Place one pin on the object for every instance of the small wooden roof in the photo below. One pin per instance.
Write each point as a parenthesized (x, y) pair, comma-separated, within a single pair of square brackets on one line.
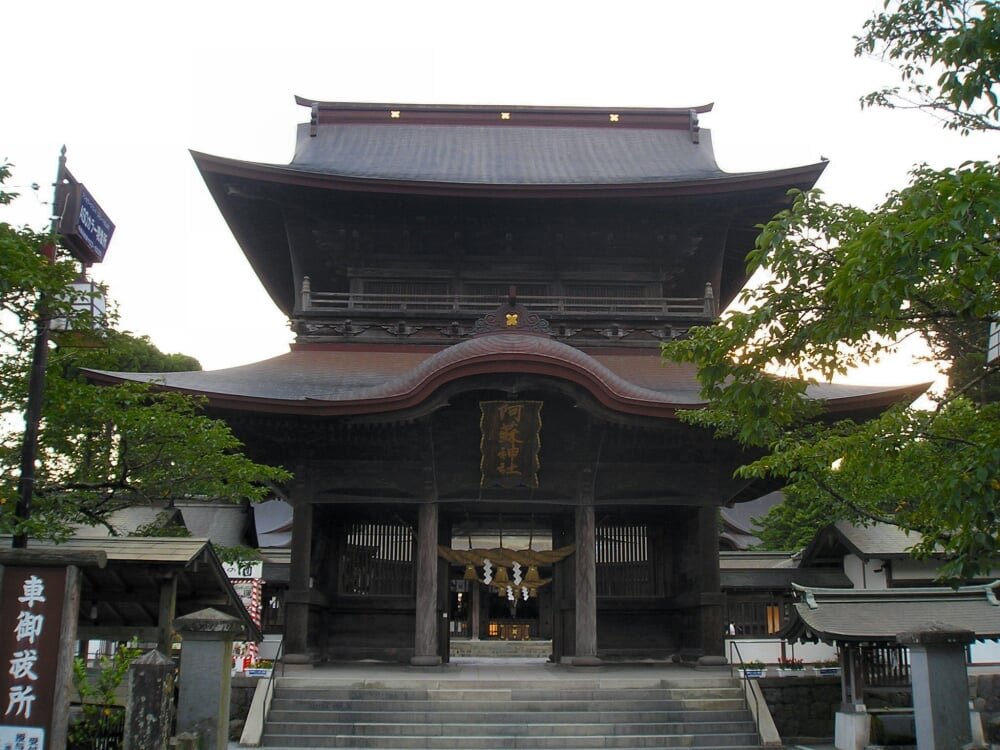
[(122, 599), (872, 616)]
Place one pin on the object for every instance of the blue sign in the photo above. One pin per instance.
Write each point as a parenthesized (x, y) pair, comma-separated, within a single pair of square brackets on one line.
[(83, 224), (93, 225)]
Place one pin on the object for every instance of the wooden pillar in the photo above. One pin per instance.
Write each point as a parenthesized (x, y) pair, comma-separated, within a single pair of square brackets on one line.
[(298, 598), (586, 588), (474, 614), (166, 614), (443, 589), (425, 644), (711, 599), (852, 723), (563, 594)]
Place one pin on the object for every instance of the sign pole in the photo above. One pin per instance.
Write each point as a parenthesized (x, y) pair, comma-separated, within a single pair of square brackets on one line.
[(86, 231), (36, 389)]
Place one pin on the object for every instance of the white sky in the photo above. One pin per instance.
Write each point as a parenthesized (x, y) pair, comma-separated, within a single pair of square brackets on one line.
[(130, 87)]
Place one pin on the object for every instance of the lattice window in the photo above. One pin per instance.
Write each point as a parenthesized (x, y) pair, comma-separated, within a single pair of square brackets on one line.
[(624, 568), (500, 290), (608, 291), (377, 560), (886, 665), (406, 288), (757, 616)]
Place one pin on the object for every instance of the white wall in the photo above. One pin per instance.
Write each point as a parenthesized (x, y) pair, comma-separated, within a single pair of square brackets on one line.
[(768, 650), (870, 574), (987, 652)]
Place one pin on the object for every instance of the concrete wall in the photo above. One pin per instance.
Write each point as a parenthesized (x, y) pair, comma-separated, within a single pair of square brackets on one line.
[(984, 689), (803, 708), (240, 697)]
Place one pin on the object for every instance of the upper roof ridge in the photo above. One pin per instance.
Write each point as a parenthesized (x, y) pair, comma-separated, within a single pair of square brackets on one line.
[(667, 118)]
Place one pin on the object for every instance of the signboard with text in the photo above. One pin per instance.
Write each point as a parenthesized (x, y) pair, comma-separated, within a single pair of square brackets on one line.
[(84, 226), (31, 602)]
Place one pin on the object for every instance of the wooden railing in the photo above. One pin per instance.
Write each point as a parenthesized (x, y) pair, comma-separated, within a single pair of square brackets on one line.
[(885, 666), (340, 302)]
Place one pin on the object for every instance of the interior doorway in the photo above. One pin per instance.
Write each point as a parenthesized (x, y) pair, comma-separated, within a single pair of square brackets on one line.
[(499, 586)]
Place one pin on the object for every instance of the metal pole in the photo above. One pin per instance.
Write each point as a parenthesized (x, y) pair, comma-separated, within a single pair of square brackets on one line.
[(36, 389)]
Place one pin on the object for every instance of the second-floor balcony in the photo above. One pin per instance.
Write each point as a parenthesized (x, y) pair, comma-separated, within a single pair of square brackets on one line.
[(321, 304)]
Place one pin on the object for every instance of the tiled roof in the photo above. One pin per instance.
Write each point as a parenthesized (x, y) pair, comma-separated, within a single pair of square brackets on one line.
[(774, 571), (128, 588), (780, 579), (878, 540), (845, 615), (355, 379), (224, 523), (124, 522), (515, 148), (506, 155)]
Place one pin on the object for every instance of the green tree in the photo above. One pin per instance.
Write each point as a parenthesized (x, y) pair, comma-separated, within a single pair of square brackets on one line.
[(948, 56), (845, 286), (100, 448)]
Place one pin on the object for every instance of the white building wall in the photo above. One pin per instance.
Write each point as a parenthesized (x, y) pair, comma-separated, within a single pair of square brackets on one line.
[(769, 650), (866, 574)]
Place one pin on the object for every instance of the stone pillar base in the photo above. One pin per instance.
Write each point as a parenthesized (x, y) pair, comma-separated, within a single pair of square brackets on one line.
[(852, 730), (298, 659), (712, 661), (586, 661), (426, 661)]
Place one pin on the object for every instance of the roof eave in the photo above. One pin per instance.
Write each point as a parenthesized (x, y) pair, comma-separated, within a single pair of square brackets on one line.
[(735, 184)]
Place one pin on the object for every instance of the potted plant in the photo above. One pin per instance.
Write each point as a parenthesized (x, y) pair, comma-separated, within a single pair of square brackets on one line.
[(753, 668), (260, 668), (790, 664), (827, 666)]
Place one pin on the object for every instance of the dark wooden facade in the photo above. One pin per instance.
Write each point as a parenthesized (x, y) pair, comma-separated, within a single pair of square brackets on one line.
[(431, 259)]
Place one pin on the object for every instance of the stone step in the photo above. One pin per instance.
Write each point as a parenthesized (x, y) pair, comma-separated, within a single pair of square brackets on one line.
[(552, 714), (501, 742), (510, 707), (494, 694), (506, 729), (318, 681), (536, 717)]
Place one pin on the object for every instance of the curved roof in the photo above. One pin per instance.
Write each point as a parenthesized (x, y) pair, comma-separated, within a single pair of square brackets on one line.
[(354, 379), (866, 615), (499, 149)]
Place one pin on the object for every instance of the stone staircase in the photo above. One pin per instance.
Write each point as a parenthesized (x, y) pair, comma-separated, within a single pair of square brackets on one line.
[(482, 714)]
